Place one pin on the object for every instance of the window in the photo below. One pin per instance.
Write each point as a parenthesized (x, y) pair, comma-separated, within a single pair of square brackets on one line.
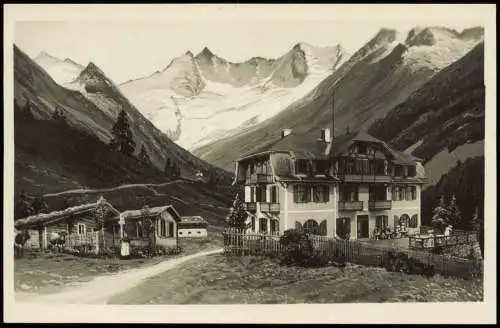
[(260, 194), (322, 228), (399, 193), (404, 220), (321, 194), (163, 228), (189, 232), (403, 192), (170, 229), (199, 232), (311, 226), (81, 229), (180, 232), (139, 229), (398, 171), (412, 171), (343, 227), (362, 149), (412, 192), (252, 194), (301, 166), (253, 223), (348, 193), (381, 221), (377, 193), (262, 225), (274, 194), (301, 194), (321, 167), (274, 226), (414, 221)]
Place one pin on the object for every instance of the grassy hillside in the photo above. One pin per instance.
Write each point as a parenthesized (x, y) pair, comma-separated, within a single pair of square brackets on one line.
[(217, 279), (52, 158)]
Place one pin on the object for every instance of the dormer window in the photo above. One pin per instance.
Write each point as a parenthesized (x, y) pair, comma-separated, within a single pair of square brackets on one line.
[(321, 167), (301, 166), (362, 149), (398, 171)]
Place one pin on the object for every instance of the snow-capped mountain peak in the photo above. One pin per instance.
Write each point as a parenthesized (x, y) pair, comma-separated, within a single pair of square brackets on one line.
[(62, 71), (197, 99)]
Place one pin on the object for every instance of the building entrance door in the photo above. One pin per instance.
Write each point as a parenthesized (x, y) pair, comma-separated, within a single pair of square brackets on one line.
[(363, 226)]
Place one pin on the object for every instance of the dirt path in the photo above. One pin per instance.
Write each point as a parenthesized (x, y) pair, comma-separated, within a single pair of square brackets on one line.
[(99, 290), (125, 186)]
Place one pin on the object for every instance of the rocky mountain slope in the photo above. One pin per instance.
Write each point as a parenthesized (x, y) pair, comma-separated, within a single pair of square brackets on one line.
[(377, 78), (93, 106), (201, 98), (443, 121)]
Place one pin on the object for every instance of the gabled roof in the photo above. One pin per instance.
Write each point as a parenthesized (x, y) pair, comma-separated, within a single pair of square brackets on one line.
[(193, 220), (308, 147), (55, 216), (302, 146), (139, 213)]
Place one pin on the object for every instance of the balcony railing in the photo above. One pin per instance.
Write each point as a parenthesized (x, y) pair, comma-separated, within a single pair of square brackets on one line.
[(350, 205), (270, 207), (259, 178), (274, 207), (379, 204), (251, 207)]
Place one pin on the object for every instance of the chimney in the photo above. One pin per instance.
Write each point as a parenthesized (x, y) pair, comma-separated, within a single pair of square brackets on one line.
[(285, 132), (325, 135), (333, 115)]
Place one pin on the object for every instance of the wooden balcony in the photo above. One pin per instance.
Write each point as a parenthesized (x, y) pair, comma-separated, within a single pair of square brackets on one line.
[(251, 207), (379, 205), (350, 205), (270, 207), (259, 178)]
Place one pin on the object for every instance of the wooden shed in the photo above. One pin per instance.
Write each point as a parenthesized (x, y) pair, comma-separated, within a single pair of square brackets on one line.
[(136, 225), (87, 224)]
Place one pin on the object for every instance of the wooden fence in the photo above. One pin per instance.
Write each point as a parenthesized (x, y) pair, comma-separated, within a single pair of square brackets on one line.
[(238, 242)]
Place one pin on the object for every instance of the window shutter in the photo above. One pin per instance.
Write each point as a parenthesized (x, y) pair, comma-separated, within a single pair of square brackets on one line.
[(326, 191)]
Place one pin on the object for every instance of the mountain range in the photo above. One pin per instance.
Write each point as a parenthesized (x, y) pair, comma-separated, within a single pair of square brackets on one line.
[(198, 99), (421, 91), (378, 79)]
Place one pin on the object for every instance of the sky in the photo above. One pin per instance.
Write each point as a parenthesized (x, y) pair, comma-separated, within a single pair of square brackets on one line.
[(126, 48)]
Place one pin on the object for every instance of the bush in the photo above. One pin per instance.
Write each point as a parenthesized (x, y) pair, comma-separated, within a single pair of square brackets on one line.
[(400, 262), (298, 250), (297, 247)]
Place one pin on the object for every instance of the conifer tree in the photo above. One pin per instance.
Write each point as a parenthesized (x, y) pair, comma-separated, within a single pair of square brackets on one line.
[(237, 215), (39, 205), (168, 168), (441, 216), (23, 207), (477, 224), (454, 212), (58, 115), (122, 135), (143, 155)]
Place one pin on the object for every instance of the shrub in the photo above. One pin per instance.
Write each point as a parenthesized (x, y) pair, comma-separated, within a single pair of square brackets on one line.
[(400, 262), (298, 250)]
